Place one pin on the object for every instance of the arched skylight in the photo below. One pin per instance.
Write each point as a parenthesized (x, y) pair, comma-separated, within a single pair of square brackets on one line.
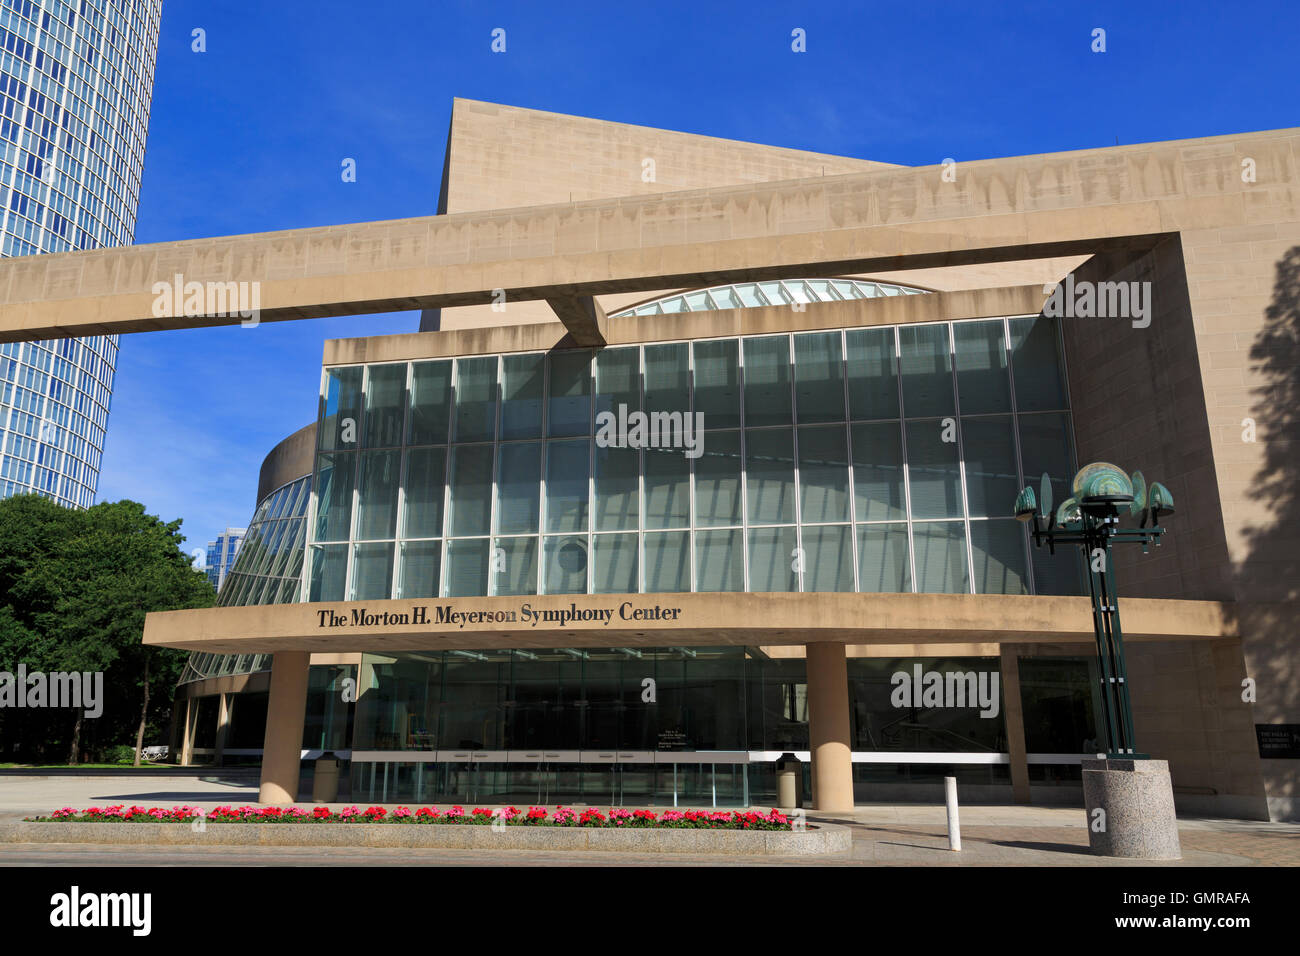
[(745, 295)]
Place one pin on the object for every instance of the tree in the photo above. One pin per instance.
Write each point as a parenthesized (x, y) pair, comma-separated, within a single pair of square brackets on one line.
[(74, 589)]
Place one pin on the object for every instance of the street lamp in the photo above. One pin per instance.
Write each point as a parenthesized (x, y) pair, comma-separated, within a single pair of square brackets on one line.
[(1090, 518)]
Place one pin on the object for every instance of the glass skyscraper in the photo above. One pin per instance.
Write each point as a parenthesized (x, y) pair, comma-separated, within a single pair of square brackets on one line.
[(222, 553), (76, 79)]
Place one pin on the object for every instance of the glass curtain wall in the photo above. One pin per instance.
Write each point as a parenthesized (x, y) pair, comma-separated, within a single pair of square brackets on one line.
[(569, 723), (874, 459), (268, 568)]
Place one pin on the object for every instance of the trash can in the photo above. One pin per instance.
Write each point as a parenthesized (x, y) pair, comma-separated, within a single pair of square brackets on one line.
[(789, 782), (325, 779)]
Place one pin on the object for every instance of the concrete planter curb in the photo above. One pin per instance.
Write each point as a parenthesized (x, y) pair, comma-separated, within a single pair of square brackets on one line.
[(821, 839)]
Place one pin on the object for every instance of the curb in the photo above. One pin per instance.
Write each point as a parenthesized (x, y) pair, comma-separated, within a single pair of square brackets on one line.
[(816, 840), (40, 772)]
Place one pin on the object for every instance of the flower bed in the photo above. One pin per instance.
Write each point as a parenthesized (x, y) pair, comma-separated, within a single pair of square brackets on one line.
[(478, 816)]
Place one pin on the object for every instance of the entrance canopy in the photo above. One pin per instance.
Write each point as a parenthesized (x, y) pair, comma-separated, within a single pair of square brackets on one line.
[(659, 620)]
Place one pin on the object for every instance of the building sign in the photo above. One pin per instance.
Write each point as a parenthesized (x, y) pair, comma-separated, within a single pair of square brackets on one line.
[(526, 615), (1278, 740)]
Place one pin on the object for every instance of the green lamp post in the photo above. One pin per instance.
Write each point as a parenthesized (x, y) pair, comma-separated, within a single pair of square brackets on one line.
[(1090, 517)]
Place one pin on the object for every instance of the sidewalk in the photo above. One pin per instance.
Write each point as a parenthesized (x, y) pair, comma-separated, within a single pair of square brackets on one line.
[(883, 834)]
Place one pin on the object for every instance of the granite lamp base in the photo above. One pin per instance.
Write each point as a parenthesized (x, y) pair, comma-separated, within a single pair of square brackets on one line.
[(1136, 798)]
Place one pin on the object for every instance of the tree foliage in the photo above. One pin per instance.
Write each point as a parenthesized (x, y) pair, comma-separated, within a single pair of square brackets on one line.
[(74, 589)]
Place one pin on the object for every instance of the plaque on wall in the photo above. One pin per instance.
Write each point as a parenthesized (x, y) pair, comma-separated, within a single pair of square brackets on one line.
[(1278, 741), (672, 740)]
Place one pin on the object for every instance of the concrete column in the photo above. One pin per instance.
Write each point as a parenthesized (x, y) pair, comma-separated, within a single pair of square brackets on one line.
[(1013, 714), (286, 711), (187, 735), (224, 702), (828, 727)]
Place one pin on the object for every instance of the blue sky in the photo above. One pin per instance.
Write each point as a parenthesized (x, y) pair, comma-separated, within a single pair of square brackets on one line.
[(249, 136)]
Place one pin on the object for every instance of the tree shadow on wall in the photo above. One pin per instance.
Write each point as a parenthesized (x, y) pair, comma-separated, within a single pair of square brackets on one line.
[(1268, 577), (1275, 360)]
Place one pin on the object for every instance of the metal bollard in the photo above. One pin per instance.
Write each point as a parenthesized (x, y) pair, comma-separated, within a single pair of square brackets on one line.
[(954, 825)]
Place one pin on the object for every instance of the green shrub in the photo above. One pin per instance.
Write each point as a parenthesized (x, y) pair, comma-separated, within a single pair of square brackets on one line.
[(119, 754)]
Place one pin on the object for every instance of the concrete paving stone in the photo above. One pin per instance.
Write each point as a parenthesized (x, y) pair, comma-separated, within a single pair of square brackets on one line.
[(881, 834)]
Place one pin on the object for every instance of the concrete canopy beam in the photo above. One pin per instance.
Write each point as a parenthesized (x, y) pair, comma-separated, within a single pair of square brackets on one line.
[(657, 620), (1055, 205), (582, 316)]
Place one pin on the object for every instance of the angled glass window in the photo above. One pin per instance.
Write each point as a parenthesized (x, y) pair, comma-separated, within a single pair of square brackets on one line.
[(983, 384), (775, 293), (566, 564), (377, 494), (667, 562), (767, 381), (773, 559), (927, 370), (1036, 364), (667, 378), (476, 399), (883, 563), (1061, 573), (998, 557), (340, 409), (717, 382), (717, 480), (567, 469), (873, 373), (719, 561), (769, 473), (471, 490), (618, 381), (522, 388), (372, 572), (878, 472), (295, 505), (934, 471), (989, 446), (419, 573), (819, 377), (425, 476), (569, 405), (940, 557), (617, 488), (1045, 446), (754, 294), (329, 566), (276, 508), (823, 474), (614, 568), (519, 477), (515, 566), (385, 405), (667, 483), (828, 558), (430, 403), (468, 560), (335, 479)]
